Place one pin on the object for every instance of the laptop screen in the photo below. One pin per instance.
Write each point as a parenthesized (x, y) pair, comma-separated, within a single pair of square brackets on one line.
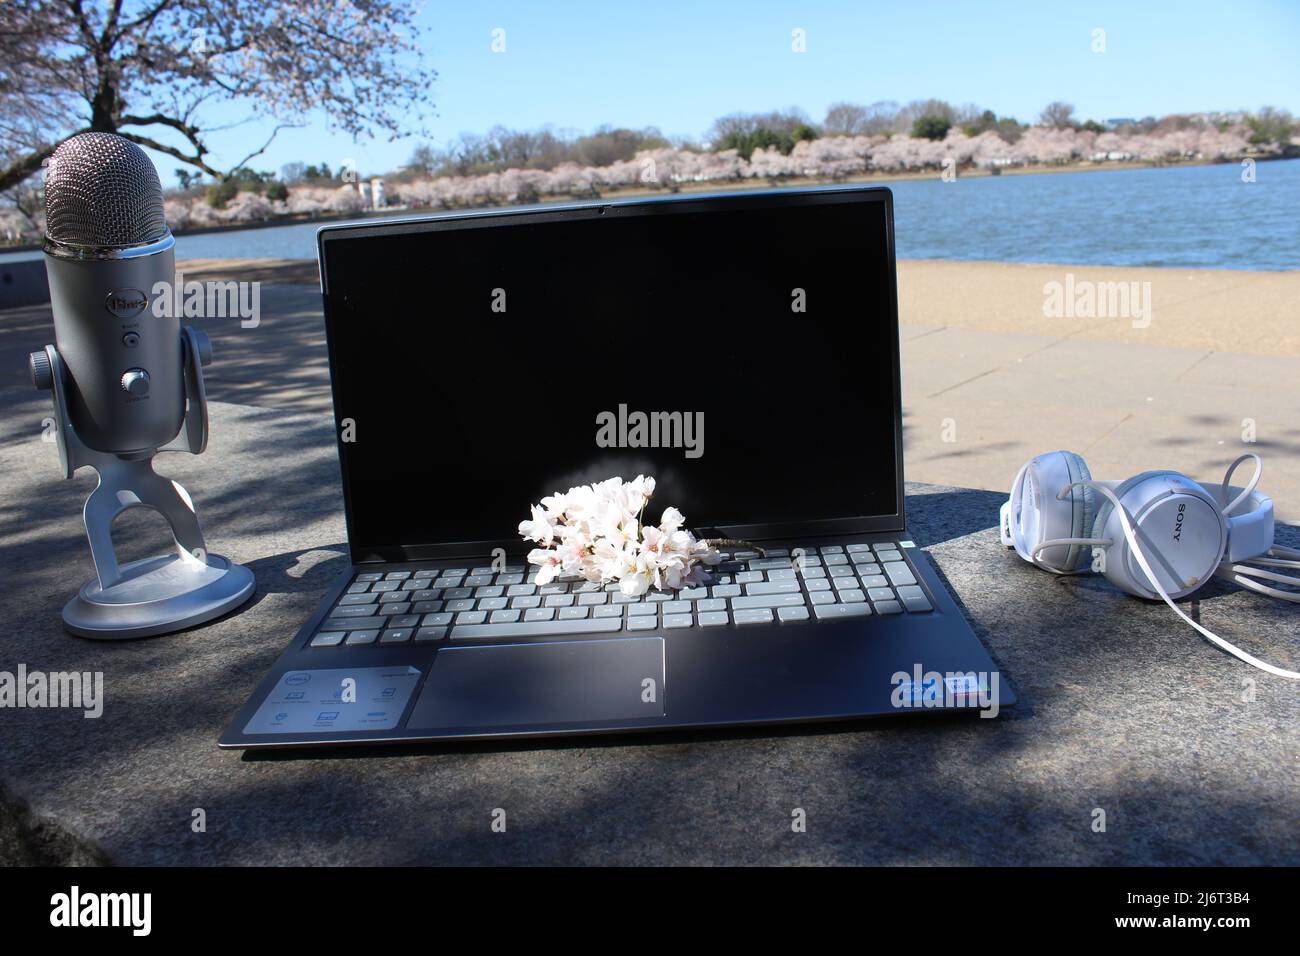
[(741, 349)]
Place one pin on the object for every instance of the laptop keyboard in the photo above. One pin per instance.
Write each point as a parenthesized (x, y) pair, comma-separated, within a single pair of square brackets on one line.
[(434, 604)]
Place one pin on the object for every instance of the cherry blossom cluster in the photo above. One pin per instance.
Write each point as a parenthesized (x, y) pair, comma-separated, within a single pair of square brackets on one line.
[(595, 532)]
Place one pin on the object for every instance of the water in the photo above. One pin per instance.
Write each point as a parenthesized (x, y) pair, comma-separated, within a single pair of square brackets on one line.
[(1188, 216)]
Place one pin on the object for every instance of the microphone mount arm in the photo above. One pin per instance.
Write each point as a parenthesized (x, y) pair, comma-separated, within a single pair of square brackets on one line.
[(130, 481)]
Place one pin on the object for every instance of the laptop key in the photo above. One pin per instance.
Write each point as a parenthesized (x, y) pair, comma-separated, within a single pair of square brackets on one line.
[(592, 625), (328, 639), (426, 634), (508, 616), (539, 614), (396, 635), (772, 587), (471, 617), (789, 614), (899, 573), (346, 623), (676, 607), (491, 603), (437, 620), (852, 596), (880, 594), (830, 612), (592, 598), (641, 610), (914, 599), (361, 610), (822, 597), (753, 616), (404, 620), (711, 604), (370, 576), (677, 620), (574, 613), (607, 610), (368, 598), (888, 607), (362, 637), (526, 601), (767, 600), (642, 623), (725, 591), (713, 619)]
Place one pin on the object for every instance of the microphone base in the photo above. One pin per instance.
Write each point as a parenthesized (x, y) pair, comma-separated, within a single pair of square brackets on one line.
[(159, 595)]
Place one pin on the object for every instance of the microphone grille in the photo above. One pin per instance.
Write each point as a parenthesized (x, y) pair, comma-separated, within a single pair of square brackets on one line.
[(102, 190)]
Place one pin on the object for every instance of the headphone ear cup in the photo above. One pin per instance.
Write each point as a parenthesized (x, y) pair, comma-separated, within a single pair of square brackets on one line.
[(1084, 502), (1118, 570)]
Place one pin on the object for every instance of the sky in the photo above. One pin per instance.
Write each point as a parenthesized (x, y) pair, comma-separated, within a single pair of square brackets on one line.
[(680, 65)]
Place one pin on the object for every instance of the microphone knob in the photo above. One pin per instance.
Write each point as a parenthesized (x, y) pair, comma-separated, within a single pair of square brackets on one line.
[(135, 382), (42, 374)]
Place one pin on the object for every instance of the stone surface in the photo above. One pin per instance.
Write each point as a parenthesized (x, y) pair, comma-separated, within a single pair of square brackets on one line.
[(1123, 708)]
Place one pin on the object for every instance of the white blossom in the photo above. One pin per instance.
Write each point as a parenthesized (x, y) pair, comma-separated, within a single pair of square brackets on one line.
[(596, 532)]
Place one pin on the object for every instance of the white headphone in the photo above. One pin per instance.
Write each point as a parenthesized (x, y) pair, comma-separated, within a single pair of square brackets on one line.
[(1156, 535)]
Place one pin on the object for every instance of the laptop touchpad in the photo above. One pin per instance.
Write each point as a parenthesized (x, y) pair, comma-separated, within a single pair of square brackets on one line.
[(559, 682)]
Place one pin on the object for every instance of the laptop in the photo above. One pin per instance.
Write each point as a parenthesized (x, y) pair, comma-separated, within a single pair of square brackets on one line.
[(743, 350)]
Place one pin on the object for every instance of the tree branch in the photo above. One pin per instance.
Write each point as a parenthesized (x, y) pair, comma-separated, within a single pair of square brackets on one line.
[(195, 160), (20, 169)]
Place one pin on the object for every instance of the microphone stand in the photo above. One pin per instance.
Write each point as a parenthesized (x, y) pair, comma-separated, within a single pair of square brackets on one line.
[(157, 595)]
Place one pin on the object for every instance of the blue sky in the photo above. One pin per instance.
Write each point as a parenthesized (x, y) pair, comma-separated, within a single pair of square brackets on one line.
[(678, 65)]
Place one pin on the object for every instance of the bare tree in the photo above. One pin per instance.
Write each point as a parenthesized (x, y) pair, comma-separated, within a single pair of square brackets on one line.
[(1057, 115), (144, 68), (845, 119)]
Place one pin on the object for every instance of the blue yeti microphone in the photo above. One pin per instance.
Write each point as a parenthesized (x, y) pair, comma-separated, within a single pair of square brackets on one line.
[(126, 381)]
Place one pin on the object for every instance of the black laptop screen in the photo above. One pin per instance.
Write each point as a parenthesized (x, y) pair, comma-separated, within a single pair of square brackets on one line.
[(483, 364)]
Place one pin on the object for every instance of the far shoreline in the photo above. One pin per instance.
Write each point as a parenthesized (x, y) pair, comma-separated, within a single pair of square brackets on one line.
[(711, 186)]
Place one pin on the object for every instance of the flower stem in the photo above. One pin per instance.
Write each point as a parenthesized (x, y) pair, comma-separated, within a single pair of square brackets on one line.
[(733, 543)]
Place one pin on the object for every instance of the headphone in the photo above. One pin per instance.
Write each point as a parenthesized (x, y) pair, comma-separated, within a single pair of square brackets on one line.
[(1157, 535)]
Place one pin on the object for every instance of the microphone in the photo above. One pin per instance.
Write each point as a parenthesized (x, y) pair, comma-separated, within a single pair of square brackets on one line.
[(107, 246), (127, 382)]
